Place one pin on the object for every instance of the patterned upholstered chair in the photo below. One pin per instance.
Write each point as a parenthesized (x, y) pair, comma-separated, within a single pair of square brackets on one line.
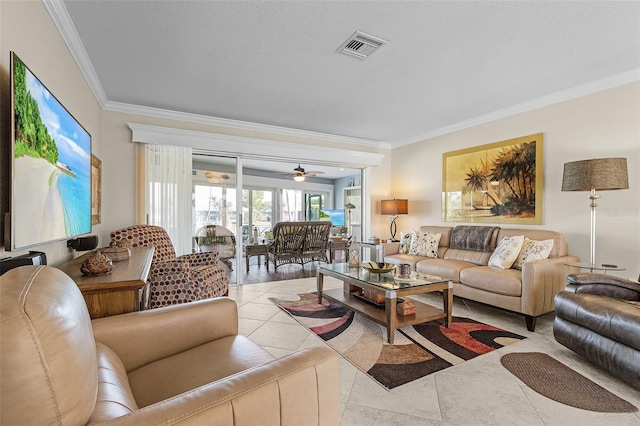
[(175, 279)]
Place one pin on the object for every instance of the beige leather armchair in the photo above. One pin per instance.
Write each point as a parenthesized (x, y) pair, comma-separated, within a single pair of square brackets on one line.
[(180, 364)]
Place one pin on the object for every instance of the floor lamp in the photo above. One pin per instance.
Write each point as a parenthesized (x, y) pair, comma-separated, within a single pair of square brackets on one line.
[(601, 174), (393, 208), (348, 207)]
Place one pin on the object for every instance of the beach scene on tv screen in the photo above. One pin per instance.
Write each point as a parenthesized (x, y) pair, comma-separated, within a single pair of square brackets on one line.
[(52, 166)]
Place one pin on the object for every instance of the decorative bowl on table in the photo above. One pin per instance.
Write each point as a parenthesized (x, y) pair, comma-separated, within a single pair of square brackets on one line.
[(378, 267), (116, 253), (96, 264)]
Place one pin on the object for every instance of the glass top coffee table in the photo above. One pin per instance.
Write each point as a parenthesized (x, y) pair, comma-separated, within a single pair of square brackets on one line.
[(392, 289)]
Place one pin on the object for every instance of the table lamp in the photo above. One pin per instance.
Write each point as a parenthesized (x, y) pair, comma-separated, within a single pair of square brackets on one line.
[(394, 208), (601, 174)]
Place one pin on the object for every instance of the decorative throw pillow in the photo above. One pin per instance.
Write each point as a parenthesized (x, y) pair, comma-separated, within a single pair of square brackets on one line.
[(533, 250), (507, 252), (405, 242), (425, 244)]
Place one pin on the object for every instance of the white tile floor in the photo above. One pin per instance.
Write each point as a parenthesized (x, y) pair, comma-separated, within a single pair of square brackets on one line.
[(476, 392)]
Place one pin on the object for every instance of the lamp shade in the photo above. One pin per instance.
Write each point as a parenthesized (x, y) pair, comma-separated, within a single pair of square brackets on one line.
[(599, 174), (394, 207)]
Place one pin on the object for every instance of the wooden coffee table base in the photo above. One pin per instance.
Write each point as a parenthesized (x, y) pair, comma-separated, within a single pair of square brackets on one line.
[(388, 316)]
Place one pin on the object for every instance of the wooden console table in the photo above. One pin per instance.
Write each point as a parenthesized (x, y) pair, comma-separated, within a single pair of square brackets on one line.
[(124, 290)]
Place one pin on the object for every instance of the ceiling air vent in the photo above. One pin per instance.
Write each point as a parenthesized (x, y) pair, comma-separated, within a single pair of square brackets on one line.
[(361, 45)]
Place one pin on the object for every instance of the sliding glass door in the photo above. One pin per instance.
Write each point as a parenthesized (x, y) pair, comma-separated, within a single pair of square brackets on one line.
[(314, 204), (257, 214), (214, 212), (244, 198)]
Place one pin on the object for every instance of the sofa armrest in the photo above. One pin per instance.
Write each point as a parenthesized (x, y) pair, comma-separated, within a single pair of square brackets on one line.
[(301, 388), (389, 249), (604, 285), (146, 336), (541, 281)]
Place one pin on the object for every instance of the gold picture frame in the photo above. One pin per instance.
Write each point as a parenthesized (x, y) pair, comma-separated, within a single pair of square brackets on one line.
[(96, 189), (500, 182)]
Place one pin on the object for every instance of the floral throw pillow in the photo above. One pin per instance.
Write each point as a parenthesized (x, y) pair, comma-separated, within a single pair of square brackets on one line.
[(533, 250), (425, 244), (405, 242), (507, 252)]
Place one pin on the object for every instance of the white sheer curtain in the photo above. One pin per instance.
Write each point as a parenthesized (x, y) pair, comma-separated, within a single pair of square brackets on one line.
[(167, 192)]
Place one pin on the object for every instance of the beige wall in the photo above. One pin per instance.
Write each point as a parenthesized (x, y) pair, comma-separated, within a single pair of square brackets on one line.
[(603, 124), (599, 125), (27, 29)]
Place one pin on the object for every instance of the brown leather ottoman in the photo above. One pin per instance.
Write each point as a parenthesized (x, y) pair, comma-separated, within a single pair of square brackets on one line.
[(601, 328)]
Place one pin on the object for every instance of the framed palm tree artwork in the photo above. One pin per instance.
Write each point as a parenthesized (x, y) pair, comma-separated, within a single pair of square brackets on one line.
[(500, 182)]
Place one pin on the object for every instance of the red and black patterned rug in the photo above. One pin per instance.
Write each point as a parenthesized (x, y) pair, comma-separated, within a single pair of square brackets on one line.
[(418, 350)]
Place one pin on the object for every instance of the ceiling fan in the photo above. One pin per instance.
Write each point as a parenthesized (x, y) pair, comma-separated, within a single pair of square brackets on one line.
[(216, 177), (299, 174)]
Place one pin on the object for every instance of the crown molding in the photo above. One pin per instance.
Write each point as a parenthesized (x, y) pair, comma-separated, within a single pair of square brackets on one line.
[(554, 98), (244, 147), (62, 21), (237, 124)]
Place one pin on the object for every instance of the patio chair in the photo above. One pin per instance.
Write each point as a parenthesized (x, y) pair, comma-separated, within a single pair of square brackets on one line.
[(316, 242), (216, 238), (286, 247)]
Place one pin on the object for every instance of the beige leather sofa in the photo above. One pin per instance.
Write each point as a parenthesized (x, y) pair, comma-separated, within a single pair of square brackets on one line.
[(180, 364), (529, 292)]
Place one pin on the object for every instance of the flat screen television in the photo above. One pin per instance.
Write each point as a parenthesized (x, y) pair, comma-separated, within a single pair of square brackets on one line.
[(51, 165), (336, 216)]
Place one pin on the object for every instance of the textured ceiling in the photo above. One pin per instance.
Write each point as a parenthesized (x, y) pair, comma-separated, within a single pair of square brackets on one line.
[(274, 62)]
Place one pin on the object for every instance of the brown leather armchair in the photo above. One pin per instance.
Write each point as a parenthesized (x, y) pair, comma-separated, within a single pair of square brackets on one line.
[(176, 279), (181, 364), (598, 317)]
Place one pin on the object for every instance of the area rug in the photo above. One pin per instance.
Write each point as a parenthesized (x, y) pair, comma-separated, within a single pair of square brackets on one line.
[(554, 380), (417, 351)]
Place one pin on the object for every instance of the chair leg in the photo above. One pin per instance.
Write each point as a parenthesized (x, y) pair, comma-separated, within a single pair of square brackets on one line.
[(531, 322)]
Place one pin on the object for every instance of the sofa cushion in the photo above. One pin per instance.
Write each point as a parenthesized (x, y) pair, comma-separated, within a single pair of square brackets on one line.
[(449, 269), (501, 281), (507, 252), (533, 250), (424, 244), (469, 256), (188, 370)]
